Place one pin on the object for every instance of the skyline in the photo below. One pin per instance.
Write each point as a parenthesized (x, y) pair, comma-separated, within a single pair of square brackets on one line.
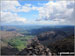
[(42, 12)]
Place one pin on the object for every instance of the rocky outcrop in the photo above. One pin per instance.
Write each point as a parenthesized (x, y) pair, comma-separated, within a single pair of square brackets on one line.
[(35, 48)]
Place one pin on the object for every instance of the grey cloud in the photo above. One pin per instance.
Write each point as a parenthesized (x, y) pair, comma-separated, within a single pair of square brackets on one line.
[(66, 13)]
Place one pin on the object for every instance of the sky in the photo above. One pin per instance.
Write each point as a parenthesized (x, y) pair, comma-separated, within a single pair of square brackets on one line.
[(18, 12)]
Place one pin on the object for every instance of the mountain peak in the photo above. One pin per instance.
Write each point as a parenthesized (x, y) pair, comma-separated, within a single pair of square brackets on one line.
[(35, 48)]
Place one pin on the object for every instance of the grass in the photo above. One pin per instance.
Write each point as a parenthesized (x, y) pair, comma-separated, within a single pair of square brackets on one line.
[(19, 42)]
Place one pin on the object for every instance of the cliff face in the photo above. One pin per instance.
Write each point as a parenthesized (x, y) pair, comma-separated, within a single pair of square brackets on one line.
[(35, 48)]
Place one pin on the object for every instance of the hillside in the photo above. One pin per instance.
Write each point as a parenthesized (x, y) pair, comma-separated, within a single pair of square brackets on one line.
[(51, 36), (57, 42), (6, 36), (9, 34), (55, 39), (42, 45), (63, 45)]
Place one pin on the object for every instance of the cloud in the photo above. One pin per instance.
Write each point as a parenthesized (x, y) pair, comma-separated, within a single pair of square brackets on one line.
[(9, 5), (9, 14), (14, 6), (61, 11), (10, 18), (25, 8), (43, 22)]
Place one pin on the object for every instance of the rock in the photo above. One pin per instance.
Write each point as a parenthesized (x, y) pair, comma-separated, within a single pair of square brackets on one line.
[(35, 48)]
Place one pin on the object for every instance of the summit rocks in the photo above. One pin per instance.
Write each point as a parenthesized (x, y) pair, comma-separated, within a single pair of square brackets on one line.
[(35, 48)]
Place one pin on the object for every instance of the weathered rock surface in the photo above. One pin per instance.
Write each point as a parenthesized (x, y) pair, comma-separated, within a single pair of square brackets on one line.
[(35, 48)]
